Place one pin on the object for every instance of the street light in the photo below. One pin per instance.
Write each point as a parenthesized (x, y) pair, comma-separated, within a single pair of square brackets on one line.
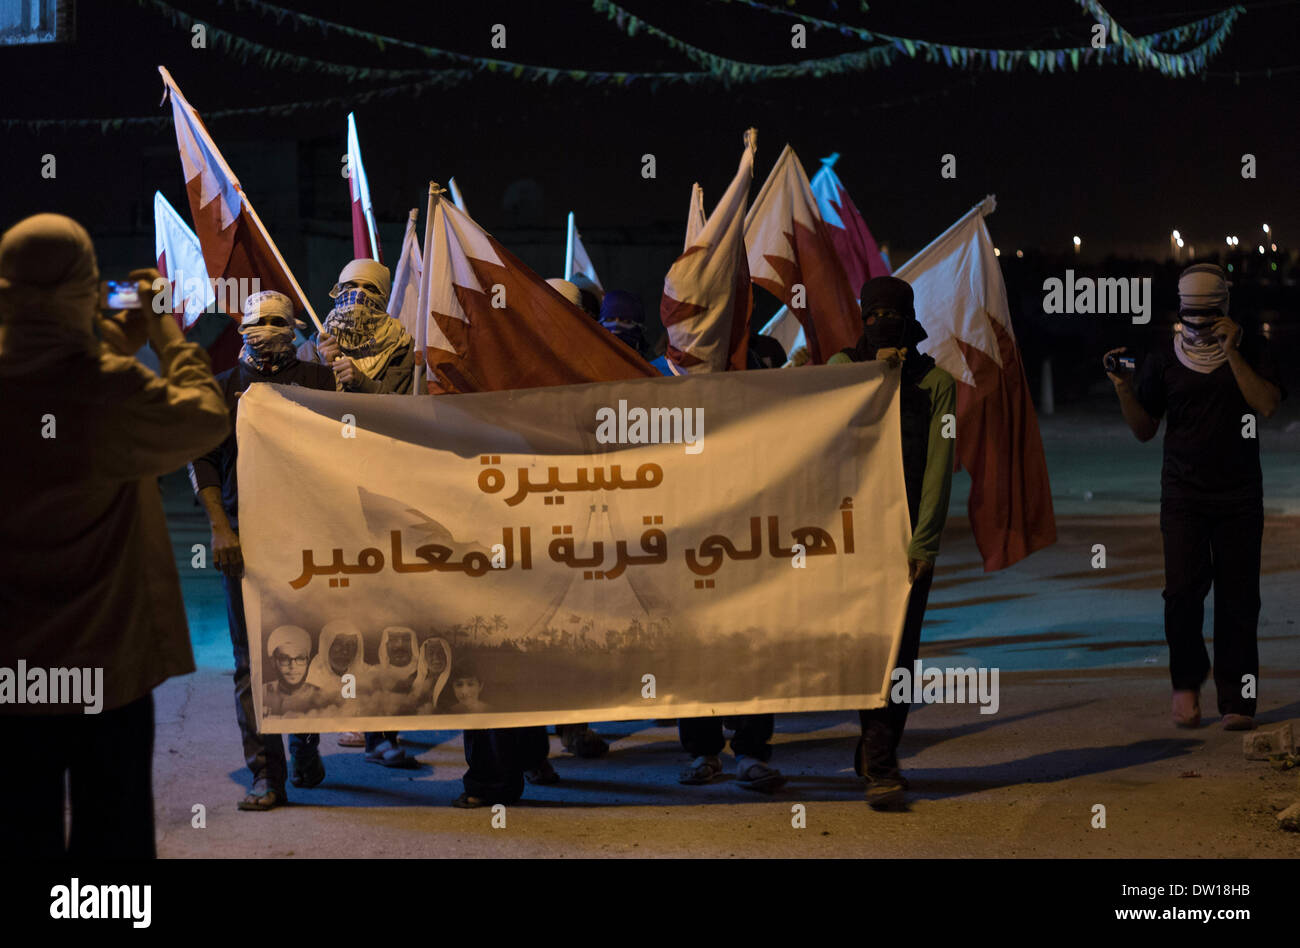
[(1266, 228), (1077, 243)]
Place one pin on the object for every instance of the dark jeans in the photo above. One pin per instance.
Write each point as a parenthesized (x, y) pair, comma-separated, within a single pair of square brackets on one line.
[(497, 759), (882, 728), (108, 759), (1217, 544), (264, 753), (703, 737)]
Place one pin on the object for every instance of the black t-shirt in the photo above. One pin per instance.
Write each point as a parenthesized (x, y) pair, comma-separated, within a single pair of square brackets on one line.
[(1205, 452)]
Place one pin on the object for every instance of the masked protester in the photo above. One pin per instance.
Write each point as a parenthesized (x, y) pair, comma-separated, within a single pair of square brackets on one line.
[(267, 356), (890, 333), (1211, 489), (623, 315), (368, 350), (89, 580)]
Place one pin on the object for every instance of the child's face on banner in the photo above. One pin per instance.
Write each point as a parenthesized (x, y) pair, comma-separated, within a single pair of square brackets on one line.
[(467, 690)]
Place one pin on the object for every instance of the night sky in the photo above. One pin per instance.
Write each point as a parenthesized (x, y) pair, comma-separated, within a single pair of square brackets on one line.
[(1116, 155)]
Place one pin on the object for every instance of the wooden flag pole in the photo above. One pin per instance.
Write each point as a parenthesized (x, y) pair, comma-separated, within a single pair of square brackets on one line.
[(426, 275)]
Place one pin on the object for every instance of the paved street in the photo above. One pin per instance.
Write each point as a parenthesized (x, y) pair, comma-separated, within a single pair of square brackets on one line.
[(1084, 720)]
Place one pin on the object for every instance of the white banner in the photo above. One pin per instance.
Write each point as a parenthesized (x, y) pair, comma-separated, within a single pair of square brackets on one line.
[(704, 545)]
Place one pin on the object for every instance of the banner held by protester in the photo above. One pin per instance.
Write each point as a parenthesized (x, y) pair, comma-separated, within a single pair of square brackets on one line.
[(573, 553)]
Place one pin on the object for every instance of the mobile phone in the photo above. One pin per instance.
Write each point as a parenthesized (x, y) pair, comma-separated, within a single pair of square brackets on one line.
[(119, 294)]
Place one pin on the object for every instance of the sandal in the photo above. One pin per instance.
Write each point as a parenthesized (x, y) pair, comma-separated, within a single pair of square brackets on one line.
[(261, 798), (386, 755), (753, 774), (466, 802), (700, 771)]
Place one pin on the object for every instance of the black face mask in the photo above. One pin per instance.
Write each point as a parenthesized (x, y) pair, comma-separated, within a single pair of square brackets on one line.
[(883, 332)]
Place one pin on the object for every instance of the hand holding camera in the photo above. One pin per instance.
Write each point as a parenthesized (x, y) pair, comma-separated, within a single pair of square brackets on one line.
[(1120, 368)]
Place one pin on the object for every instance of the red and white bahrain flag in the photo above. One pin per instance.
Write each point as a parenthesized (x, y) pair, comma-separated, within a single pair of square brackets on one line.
[(236, 247), (404, 300), (493, 324), (365, 235), (707, 295), (180, 260), (962, 303), (792, 255), (856, 247)]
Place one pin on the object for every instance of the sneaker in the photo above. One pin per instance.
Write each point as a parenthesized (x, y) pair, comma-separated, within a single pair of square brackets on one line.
[(884, 793), (262, 796), (542, 775), (1238, 722), (386, 755), (307, 770), (754, 774), (583, 741), (1187, 708), (701, 770), (352, 739)]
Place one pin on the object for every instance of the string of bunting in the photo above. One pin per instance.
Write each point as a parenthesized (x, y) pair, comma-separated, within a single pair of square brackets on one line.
[(1146, 51), (1150, 50), (1211, 32), (1173, 37)]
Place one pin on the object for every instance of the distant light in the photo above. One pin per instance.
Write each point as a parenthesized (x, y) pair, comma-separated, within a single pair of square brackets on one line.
[(1273, 247), (1273, 264), (1020, 253), (1228, 241), (1229, 268), (997, 252), (1180, 243), (1261, 248), (1077, 241), (1266, 228), (1176, 235)]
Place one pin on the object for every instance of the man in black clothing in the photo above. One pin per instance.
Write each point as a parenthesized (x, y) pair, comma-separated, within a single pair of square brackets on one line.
[(1212, 385), (926, 394), (267, 356)]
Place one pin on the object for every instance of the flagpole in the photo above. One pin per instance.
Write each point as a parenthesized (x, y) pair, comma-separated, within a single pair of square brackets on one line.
[(358, 175), (406, 238), (257, 221), (568, 251), (426, 274)]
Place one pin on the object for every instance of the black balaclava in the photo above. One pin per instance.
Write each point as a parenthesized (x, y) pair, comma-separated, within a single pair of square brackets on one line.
[(622, 314), (891, 293)]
